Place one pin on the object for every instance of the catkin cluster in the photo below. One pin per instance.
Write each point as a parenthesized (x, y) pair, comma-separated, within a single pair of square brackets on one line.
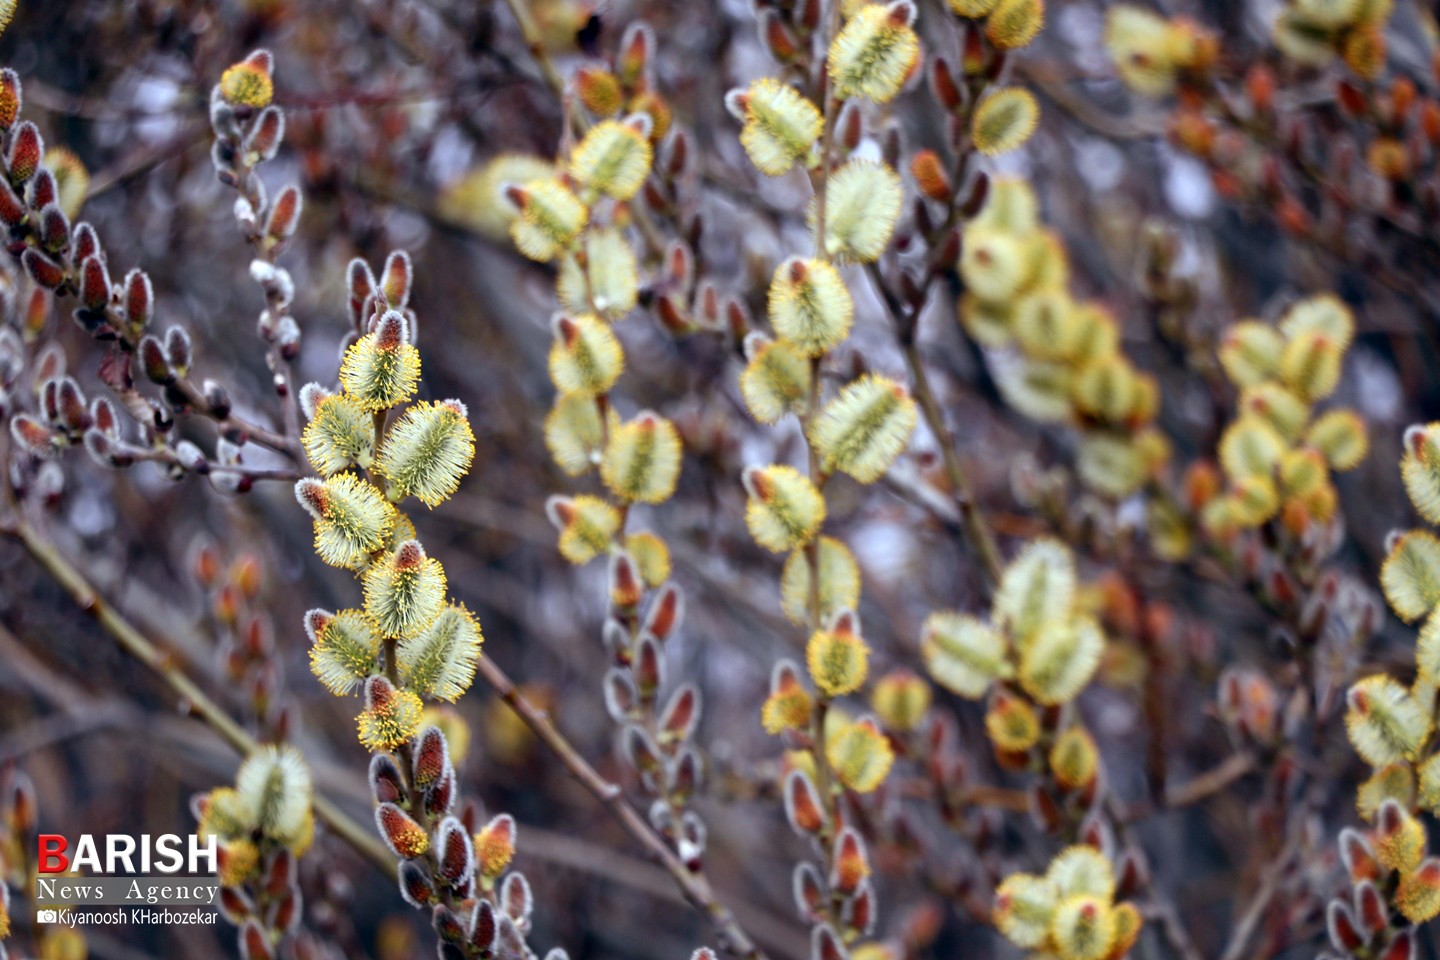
[(263, 825), (1056, 359), (1070, 911), (1034, 655), (1278, 455), (407, 641), (1396, 883)]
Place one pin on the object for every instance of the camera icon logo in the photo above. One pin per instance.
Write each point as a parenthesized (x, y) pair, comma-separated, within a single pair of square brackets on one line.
[(47, 916)]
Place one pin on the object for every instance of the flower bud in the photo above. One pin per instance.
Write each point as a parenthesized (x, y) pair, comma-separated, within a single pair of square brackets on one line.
[(1410, 575), (587, 525), (789, 705), (860, 755), (1310, 365), (585, 357), (44, 271), (1341, 436), (495, 846), (382, 369), (1003, 120), (780, 125), (391, 717), (901, 700), (776, 380), (340, 434), (284, 214), (785, 510), (849, 863), (651, 556), (10, 98), (1024, 906), (345, 649), (1250, 352), (1399, 838), (1083, 928), (404, 591), (574, 432), (1418, 897), (1014, 23), (802, 804), (386, 783), (604, 276), (599, 90), (1250, 447), (864, 428), (875, 52), (1074, 759), (641, 462), (963, 654), (839, 582), (416, 887), (405, 838), (1011, 723), (838, 657), (614, 157), (550, 218), (862, 206), (809, 305), (247, 84), (427, 452), (352, 518), (27, 150)]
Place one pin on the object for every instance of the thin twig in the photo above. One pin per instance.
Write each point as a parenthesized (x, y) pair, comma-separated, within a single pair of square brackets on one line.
[(695, 887), (133, 642)]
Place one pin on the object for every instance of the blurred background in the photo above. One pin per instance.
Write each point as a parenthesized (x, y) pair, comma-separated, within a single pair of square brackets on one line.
[(393, 107)]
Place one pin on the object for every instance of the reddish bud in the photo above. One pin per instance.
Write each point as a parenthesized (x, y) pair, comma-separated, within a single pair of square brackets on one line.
[(42, 189), (943, 85), (94, 279), (26, 151), (12, 208), (1402, 947), (405, 838), (397, 278), (666, 612), (415, 884), (681, 714), (647, 667), (457, 853), (44, 271), (625, 586), (825, 944), (447, 924), (440, 798), (850, 865), (517, 900), (432, 757), (254, 942), (10, 98), (1345, 934), (483, 923), (802, 804), (1260, 88), (154, 362), (810, 896), (777, 37), (284, 214), (139, 298)]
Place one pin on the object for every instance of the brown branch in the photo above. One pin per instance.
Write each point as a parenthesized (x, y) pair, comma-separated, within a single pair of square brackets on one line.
[(695, 888)]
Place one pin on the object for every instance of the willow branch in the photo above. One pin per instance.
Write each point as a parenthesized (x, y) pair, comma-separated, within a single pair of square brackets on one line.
[(694, 886)]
